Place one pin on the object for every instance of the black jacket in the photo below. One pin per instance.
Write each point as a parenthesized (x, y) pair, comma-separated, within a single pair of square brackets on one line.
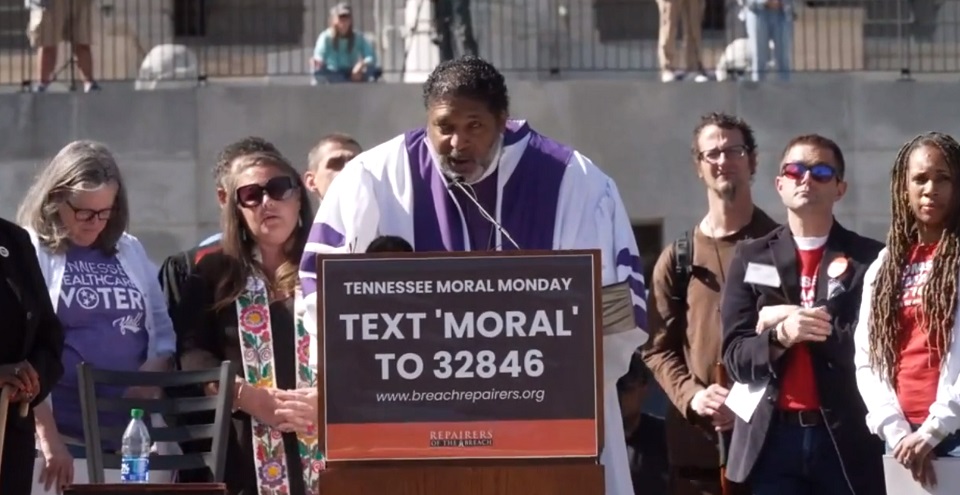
[(31, 332), (747, 354), (174, 273), (177, 268), (209, 337)]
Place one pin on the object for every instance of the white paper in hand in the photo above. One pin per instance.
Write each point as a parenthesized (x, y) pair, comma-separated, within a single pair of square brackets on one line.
[(743, 399), (900, 481)]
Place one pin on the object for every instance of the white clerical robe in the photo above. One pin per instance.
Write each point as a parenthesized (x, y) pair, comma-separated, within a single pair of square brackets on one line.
[(546, 195)]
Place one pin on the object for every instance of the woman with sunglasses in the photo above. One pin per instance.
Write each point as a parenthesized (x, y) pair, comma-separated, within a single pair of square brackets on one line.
[(907, 353), (104, 290), (239, 306)]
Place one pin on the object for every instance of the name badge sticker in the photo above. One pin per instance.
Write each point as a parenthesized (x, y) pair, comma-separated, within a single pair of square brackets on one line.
[(760, 274)]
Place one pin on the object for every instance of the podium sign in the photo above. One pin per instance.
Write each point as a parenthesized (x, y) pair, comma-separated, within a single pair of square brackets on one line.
[(459, 355)]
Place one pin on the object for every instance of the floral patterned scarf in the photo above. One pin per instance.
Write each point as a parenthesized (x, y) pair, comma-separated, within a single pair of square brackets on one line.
[(256, 344)]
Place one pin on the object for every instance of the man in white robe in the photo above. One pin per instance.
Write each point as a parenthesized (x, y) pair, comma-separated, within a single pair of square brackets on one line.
[(544, 194)]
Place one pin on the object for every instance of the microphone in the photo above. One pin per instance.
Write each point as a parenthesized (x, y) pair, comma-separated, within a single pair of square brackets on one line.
[(458, 182)]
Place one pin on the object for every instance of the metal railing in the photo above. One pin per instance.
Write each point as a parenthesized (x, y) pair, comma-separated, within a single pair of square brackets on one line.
[(197, 40)]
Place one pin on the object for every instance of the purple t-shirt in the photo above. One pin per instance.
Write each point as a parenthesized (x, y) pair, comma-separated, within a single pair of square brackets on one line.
[(103, 316)]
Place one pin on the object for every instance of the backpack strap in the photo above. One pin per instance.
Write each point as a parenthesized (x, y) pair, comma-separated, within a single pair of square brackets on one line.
[(682, 266)]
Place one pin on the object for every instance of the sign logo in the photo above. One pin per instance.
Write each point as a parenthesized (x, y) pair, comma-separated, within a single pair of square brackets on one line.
[(461, 438)]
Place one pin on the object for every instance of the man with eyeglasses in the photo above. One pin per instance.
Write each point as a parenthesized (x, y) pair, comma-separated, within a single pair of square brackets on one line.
[(684, 317), (327, 159), (807, 434)]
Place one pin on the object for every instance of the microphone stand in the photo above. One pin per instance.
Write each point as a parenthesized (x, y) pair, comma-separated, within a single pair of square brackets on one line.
[(467, 189)]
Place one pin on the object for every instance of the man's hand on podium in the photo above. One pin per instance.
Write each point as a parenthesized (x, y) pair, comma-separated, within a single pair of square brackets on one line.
[(298, 410)]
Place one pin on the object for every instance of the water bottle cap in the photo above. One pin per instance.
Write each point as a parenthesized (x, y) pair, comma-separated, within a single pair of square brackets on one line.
[(136, 413)]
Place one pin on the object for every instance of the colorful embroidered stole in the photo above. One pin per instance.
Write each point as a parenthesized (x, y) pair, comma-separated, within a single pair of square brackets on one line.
[(256, 344)]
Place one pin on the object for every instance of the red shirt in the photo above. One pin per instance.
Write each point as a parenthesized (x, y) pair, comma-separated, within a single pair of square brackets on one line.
[(918, 371), (798, 390)]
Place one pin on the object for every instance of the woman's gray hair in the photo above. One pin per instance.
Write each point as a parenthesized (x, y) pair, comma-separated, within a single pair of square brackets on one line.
[(80, 166)]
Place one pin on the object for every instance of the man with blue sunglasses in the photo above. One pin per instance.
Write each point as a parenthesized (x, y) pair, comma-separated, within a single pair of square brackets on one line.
[(804, 431)]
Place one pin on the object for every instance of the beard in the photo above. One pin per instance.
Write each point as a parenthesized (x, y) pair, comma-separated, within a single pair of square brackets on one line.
[(470, 170), (727, 191)]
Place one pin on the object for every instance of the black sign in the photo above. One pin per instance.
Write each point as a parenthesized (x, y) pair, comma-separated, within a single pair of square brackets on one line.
[(459, 338)]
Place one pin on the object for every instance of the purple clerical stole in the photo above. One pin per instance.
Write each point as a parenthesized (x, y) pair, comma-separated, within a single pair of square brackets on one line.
[(528, 207)]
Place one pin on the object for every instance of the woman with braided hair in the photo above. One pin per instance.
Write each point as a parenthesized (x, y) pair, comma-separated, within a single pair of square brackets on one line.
[(907, 358)]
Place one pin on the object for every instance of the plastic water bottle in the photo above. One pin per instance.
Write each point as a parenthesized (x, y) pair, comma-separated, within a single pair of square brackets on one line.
[(135, 466)]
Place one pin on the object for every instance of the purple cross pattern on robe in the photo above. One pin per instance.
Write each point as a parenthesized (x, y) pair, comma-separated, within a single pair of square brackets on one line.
[(632, 262)]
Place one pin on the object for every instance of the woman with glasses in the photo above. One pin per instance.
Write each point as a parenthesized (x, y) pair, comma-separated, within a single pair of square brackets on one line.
[(103, 288), (239, 306), (907, 350)]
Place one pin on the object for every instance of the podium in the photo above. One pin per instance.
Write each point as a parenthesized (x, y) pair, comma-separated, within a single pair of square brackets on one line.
[(455, 373)]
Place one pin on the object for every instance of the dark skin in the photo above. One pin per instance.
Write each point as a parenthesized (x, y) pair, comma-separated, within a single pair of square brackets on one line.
[(929, 191), (465, 133), (930, 194)]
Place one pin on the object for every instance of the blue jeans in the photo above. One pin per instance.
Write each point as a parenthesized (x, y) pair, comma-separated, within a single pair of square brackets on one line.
[(343, 76), (949, 447), (764, 26), (798, 460)]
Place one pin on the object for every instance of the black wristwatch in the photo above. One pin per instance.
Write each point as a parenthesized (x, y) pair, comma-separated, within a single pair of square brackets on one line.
[(772, 334)]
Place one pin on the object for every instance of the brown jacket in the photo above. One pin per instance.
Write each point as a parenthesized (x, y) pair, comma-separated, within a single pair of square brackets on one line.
[(684, 349)]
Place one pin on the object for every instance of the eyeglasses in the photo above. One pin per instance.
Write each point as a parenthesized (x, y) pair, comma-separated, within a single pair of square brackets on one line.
[(278, 188), (819, 172), (86, 214), (714, 155)]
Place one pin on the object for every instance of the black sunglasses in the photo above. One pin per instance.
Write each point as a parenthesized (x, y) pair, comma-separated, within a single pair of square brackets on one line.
[(278, 188), (820, 172)]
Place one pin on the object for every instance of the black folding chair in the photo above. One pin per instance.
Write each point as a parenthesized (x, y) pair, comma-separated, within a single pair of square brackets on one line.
[(168, 407)]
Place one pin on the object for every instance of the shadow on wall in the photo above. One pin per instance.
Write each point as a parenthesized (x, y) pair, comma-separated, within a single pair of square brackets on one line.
[(159, 244)]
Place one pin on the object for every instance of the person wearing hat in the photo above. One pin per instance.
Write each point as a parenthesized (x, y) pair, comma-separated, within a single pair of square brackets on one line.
[(341, 54)]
